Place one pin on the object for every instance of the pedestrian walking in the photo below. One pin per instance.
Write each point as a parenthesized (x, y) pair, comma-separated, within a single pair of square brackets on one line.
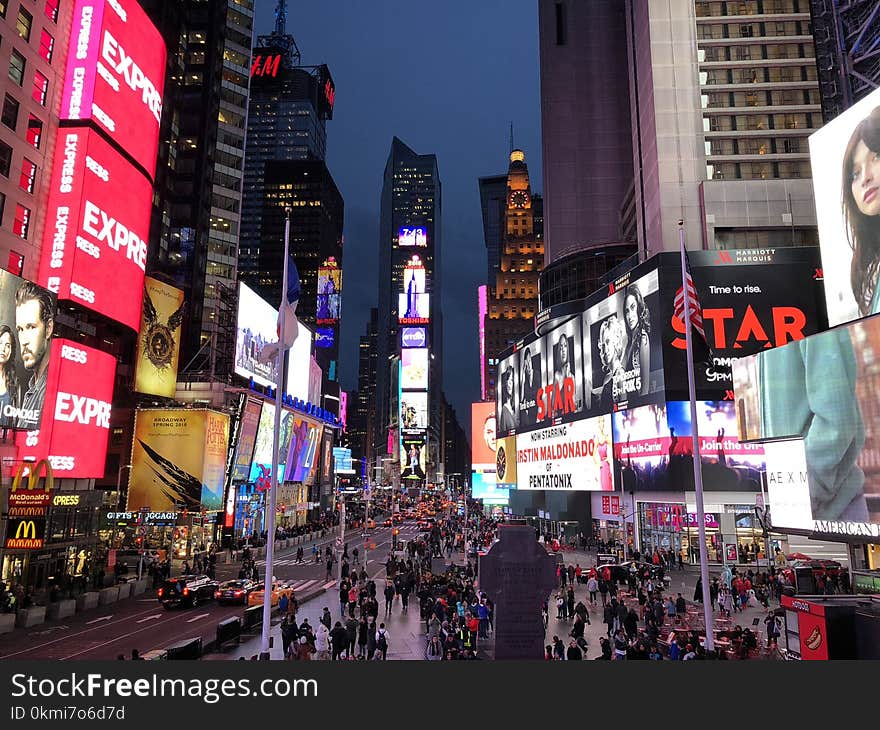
[(382, 641)]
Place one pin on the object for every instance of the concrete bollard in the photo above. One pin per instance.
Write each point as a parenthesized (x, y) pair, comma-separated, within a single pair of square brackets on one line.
[(124, 591), (138, 588), (61, 609), (108, 595), (86, 601), (7, 622), (30, 616)]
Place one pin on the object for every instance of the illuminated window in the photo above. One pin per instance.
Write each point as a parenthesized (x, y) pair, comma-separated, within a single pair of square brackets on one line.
[(10, 112), (3, 7), (34, 132), (24, 23), (22, 221), (47, 46), (41, 88), (51, 10), (28, 175), (16, 67)]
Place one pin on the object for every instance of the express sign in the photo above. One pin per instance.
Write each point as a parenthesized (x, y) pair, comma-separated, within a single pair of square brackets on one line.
[(98, 223), (79, 391), (116, 74)]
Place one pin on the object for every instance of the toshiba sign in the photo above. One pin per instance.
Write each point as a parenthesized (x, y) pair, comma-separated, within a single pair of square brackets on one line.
[(115, 75), (97, 225), (79, 391)]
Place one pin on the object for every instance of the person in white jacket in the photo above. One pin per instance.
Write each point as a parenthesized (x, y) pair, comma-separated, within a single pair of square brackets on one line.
[(322, 642)]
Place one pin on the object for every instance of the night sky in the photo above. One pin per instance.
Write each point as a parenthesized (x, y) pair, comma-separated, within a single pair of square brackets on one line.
[(447, 78)]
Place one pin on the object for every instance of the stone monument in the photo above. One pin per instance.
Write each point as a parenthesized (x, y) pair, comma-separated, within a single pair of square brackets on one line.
[(518, 575)]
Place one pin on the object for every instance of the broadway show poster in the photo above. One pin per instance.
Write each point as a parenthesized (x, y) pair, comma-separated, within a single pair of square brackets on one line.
[(25, 333), (752, 300), (178, 460), (530, 382), (159, 340), (622, 347), (564, 394), (413, 456), (247, 436), (507, 393)]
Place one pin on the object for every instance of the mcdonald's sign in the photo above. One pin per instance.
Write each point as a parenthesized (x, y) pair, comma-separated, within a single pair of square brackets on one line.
[(25, 534), (31, 496)]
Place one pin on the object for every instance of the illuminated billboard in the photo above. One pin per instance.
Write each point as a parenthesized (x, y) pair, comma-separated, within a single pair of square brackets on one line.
[(325, 337), (574, 456), (247, 437), (76, 420), (414, 308), (298, 364), (788, 485), (115, 75), (413, 337), (178, 460), (97, 227), (414, 369), (846, 184), (303, 450), (329, 292), (485, 487), (26, 330), (417, 236), (483, 434), (505, 462), (413, 411), (413, 455), (257, 327), (158, 346), (261, 465), (342, 460), (824, 390)]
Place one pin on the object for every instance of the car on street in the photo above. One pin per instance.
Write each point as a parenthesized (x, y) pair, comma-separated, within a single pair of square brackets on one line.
[(235, 591), (279, 588), (388, 522), (620, 571), (186, 591), (371, 524)]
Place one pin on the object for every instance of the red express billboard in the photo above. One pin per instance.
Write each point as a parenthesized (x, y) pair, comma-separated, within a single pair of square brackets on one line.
[(97, 227), (116, 74), (76, 418)]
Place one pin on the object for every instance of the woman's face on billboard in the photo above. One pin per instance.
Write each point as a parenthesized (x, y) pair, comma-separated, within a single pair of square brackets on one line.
[(866, 179)]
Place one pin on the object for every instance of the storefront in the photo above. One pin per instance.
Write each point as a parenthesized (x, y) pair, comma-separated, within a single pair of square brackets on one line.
[(612, 522)]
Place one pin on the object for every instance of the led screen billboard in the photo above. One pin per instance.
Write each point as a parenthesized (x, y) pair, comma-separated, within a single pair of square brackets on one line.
[(257, 327), (298, 364), (413, 455), (484, 487), (788, 485), (414, 308), (261, 465), (824, 390), (303, 451), (158, 345), (247, 437), (483, 443), (846, 183), (413, 411), (752, 299), (325, 337), (505, 462), (76, 416), (417, 236), (413, 337), (573, 456), (342, 460), (329, 292), (414, 368), (26, 329), (116, 74), (97, 227), (178, 460)]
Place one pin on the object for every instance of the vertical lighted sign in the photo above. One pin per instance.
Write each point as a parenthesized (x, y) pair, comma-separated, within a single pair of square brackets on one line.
[(482, 308)]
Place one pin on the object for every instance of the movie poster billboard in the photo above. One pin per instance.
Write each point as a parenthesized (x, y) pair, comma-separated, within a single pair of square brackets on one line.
[(846, 184), (824, 390), (413, 455), (178, 460), (247, 437), (622, 347), (483, 441), (752, 299), (329, 292), (414, 368), (507, 389), (573, 456), (26, 331), (257, 327), (158, 345)]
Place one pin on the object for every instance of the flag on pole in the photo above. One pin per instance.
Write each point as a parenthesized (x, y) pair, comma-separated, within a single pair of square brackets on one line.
[(689, 290), (288, 306)]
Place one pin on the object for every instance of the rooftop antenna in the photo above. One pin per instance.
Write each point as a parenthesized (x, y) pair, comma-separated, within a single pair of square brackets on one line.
[(511, 137), (281, 39), (281, 18)]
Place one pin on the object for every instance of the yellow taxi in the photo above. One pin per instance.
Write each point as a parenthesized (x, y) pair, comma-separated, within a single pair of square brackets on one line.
[(279, 588), (371, 524)]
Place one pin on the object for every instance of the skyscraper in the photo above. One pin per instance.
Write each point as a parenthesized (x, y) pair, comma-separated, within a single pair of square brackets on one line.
[(409, 243)]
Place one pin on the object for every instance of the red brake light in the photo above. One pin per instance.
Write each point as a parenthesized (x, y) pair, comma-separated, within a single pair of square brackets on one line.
[(186, 591), (161, 590), (216, 594), (239, 593)]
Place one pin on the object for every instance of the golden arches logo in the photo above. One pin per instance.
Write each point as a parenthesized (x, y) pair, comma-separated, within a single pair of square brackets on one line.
[(26, 530), (33, 476)]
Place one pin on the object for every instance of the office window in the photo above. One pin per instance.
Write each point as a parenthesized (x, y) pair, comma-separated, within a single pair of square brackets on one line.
[(5, 159), (4, 5), (51, 10), (10, 112), (41, 87), (22, 221), (28, 175), (560, 24), (16, 67), (34, 132), (24, 23), (47, 46)]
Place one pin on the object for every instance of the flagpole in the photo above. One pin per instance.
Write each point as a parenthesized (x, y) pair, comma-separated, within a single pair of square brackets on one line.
[(276, 436), (695, 436)]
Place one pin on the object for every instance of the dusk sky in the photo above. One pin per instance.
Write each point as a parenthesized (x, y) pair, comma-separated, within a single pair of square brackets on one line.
[(447, 78)]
